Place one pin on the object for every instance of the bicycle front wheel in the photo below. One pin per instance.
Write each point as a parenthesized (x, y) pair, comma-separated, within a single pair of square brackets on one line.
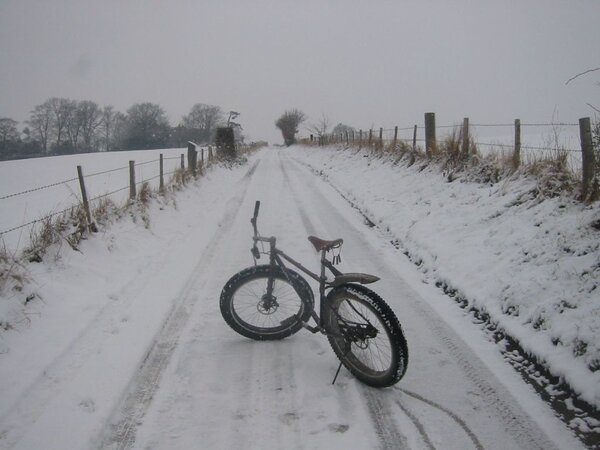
[(365, 335), (250, 310)]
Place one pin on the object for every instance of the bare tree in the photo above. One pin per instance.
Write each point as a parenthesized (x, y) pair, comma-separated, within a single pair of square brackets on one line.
[(73, 127), (90, 117), (107, 125), (288, 123), (40, 121), (341, 128), (321, 127), (203, 120), (147, 127), (8, 130), (62, 110)]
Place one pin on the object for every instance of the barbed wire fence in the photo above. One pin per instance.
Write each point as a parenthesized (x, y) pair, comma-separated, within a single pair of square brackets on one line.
[(582, 160), (194, 167)]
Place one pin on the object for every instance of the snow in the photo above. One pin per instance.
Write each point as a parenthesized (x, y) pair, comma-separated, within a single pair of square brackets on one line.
[(532, 265), (123, 345), (61, 172)]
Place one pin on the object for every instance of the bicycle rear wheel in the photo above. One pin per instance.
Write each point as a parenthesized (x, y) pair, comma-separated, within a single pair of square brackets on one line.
[(249, 310), (365, 335)]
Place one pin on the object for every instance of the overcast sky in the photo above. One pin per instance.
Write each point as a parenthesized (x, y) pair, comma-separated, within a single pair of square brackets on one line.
[(363, 63)]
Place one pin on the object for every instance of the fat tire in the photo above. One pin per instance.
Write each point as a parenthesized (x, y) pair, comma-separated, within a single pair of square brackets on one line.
[(295, 285), (389, 331)]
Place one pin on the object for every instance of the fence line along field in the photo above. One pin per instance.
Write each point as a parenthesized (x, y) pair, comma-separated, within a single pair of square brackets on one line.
[(31, 189), (535, 140)]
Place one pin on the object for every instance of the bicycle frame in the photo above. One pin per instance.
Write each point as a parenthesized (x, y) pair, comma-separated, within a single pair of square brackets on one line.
[(276, 257)]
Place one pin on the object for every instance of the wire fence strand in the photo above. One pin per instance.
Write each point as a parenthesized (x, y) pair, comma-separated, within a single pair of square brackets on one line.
[(28, 191), (98, 197)]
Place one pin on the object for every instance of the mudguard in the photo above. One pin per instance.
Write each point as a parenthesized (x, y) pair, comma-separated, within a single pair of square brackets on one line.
[(362, 278)]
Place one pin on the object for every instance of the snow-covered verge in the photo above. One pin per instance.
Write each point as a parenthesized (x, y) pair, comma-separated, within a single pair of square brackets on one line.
[(96, 310), (532, 264)]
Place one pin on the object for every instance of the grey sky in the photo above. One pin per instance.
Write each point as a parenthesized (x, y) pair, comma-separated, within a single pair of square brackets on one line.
[(363, 63)]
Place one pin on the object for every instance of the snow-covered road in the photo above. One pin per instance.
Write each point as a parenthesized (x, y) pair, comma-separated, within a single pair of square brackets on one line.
[(152, 364)]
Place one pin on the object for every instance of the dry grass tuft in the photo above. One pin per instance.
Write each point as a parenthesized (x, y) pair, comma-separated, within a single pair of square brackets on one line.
[(145, 193), (552, 171)]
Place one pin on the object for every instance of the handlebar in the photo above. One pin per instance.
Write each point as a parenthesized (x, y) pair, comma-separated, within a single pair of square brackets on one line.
[(254, 250), (256, 208), (253, 220)]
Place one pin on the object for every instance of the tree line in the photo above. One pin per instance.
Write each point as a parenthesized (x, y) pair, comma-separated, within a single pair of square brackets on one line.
[(62, 126), (291, 119)]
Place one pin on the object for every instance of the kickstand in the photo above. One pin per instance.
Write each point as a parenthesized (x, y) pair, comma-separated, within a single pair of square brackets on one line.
[(337, 373)]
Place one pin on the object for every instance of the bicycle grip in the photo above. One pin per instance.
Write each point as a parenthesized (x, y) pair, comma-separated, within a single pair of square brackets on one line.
[(256, 208)]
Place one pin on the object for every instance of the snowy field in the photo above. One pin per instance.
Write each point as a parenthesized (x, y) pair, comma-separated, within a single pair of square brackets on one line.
[(60, 173), (123, 344)]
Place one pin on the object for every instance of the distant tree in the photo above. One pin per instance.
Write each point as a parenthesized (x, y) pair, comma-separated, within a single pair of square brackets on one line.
[(341, 128), (29, 146), (202, 121), (73, 130), (40, 120), (89, 116), (8, 130), (147, 127), (319, 128), (108, 126), (119, 131), (9, 136), (288, 123), (62, 111)]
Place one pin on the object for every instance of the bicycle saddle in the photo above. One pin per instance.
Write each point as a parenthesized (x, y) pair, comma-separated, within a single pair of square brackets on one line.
[(322, 244)]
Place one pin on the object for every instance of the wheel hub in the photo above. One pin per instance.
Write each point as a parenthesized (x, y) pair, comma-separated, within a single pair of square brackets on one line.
[(267, 305)]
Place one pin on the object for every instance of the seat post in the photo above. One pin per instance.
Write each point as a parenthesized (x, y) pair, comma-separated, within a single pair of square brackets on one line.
[(322, 288)]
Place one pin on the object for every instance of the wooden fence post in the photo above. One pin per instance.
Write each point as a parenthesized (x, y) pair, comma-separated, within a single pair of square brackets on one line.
[(430, 141), (182, 162), (132, 190), (516, 159), (415, 139), (352, 136), (192, 157), (395, 136), (465, 138), (210, 154), (590, 191), (86, 205), (161, 184), (381, 137), (360, 138), (201, 158), (370, 136), (347, 138)]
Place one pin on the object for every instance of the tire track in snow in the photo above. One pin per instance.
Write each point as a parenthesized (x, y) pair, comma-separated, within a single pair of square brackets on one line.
[(18, 418), (446, 411), (386, 429), (516, 422), (554, 391), (120, 433)]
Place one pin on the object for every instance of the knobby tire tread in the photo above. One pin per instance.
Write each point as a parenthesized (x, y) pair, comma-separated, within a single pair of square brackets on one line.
[(393, 330), (235, 283)]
